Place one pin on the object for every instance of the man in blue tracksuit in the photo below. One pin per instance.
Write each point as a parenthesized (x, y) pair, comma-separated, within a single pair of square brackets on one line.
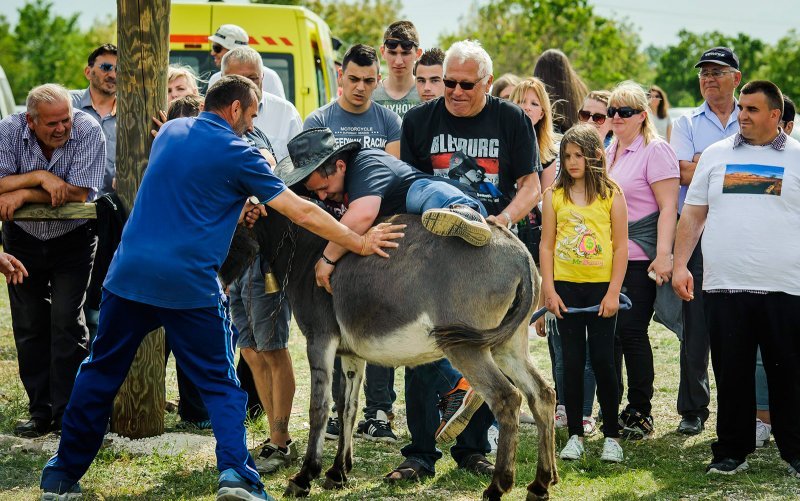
[(164, 274)]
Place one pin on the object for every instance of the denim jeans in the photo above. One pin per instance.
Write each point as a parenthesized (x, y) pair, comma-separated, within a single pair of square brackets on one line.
[(424, 385), (762, 390), (557, 359), (424, 194)]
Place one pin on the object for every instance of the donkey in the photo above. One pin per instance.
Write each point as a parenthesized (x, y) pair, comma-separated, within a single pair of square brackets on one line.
[(434, 297)]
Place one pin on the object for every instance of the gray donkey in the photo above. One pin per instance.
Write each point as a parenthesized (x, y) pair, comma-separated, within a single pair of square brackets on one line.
[(435, 297)]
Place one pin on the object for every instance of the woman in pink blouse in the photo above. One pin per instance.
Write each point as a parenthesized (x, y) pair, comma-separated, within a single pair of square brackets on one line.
[(646, 168)]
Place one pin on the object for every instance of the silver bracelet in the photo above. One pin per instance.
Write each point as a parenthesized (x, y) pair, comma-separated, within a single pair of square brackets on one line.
[(508, 217)]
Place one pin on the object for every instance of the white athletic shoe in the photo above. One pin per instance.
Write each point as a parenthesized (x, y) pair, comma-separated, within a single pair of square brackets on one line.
[(589, 426), (612, 451), (561, 416), (762, 433), (573, 450), (494, 437)]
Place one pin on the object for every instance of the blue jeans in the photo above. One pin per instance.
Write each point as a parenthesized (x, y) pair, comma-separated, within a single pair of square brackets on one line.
[(557, 358), (424, 385), (424, 194)]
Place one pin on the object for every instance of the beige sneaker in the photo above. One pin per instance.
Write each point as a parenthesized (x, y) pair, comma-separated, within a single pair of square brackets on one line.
[(458, 221)]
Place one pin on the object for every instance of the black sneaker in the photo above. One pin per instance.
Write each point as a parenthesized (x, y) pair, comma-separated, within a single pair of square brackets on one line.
[(377, 429), (458, 221), (332, 430), (635, 425), (794, 468), (727, 466)]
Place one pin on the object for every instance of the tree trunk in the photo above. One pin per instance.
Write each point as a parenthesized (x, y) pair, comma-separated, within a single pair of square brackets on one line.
[(143, 35)]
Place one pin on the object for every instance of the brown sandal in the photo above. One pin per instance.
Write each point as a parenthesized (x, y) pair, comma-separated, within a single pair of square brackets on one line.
[(408, 470)]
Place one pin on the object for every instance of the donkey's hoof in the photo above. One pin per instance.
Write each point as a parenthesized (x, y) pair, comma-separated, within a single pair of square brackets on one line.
[(295, 491), (331, 484), (492, 494), (533, 496)]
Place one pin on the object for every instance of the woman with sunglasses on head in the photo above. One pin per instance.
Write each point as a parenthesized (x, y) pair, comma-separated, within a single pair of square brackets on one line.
[(594, 110), (646, 168), (659, 111)]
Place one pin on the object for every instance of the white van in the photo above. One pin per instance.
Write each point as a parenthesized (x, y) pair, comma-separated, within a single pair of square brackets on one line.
[(7, 104)]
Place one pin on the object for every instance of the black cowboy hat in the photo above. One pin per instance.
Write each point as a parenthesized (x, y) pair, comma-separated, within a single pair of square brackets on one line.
[(308, 151)]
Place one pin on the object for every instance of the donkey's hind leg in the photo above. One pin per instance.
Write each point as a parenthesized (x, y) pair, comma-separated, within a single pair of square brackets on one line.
[(479, 368), (514, 360), (321, 352), (347, 405)]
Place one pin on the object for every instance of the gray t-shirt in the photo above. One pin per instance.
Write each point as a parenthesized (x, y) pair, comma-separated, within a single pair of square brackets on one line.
[(399, 106), (373, 128)]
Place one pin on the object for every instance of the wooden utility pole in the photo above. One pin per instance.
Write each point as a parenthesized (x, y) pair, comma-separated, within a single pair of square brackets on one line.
[(143, 37)]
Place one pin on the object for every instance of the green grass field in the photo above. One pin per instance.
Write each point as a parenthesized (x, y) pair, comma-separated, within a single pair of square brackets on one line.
[(669, 466)]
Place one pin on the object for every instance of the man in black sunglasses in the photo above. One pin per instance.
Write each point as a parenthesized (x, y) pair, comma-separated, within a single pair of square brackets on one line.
[(400, 50), (491, 142)]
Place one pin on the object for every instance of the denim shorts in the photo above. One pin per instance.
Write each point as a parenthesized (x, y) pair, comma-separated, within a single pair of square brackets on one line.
[(262, 319)]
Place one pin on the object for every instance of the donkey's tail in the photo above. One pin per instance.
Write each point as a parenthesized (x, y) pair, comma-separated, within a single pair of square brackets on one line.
[(454, 335)]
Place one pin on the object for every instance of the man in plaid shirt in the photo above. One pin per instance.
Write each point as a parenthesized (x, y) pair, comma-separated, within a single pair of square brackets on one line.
[(49, 154)]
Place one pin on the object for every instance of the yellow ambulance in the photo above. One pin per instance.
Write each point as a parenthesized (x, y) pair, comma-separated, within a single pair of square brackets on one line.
[(293, 41)]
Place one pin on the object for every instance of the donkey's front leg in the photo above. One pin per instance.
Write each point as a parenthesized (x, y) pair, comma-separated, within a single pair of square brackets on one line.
[(347, 405), (321, 350)]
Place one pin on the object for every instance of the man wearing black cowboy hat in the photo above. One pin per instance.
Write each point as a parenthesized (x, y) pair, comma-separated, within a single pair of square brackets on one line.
[(373, 183)]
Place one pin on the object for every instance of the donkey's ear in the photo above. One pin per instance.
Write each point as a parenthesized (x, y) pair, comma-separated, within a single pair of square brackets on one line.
[(241, 253)]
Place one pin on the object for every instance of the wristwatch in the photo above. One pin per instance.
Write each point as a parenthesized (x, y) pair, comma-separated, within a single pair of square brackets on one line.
[(508, 218)]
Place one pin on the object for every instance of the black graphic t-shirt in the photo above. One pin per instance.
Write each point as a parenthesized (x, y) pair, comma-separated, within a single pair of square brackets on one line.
[(488, 151)]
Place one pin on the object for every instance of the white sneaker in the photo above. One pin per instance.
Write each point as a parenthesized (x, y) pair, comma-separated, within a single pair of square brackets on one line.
[(561, 416), (589, 426), (762, 433), (573, 449), (612, 451), (494, 436)]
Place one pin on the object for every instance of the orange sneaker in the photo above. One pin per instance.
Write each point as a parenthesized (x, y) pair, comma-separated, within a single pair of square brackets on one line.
[(457, 407)]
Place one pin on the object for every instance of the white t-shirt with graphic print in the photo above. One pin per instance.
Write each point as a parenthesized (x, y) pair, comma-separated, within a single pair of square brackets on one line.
[(751, 239)]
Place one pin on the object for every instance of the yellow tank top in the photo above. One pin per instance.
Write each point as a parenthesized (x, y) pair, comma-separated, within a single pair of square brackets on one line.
[(583, 250)]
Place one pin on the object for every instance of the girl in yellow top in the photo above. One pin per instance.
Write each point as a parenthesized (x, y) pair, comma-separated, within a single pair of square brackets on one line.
[(583, 255)]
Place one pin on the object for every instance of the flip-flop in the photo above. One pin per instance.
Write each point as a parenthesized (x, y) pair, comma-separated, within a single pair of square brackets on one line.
[(409, 471)]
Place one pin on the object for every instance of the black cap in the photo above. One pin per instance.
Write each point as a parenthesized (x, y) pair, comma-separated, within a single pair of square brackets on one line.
[(719, 55)]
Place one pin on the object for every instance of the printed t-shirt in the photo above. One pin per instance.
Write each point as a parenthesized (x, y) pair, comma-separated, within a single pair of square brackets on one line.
[(583, 251), (399, 106), (493, 148), (752, 234), (192, 193), (373, 128), (639, 166)]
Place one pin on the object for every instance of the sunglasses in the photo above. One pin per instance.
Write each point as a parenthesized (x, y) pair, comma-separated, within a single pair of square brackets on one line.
[(598, 118), (106, 67), (624, 111), (392, 44), (451, 84), (216, 48)]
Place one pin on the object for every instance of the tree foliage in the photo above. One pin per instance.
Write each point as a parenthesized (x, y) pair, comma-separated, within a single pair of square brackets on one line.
[(515, 32), (675, 71), (781, 63), (44, 47), (352, 22)]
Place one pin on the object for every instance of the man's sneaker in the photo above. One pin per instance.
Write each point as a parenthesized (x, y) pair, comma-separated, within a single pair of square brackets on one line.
[(727, 466), (494, 437), (561, 416), (457, 407), (635, 425), (589, 426), (377, 429), (794, 468), (612, 451), (458, 221), (573, 450), (762, 433), (332, 430), (272, 458), (73, 492), (233, 486)]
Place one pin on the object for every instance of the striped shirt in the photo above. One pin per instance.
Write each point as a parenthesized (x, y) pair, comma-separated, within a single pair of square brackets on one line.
[(80, 162)]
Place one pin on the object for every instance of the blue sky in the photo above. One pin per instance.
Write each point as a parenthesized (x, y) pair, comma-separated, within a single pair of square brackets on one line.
[(755, 169), (658, 22)]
